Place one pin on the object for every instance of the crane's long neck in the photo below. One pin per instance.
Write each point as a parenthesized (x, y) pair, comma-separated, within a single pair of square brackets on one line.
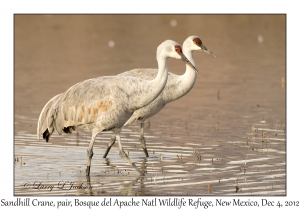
[(178, 86), (148, 90)]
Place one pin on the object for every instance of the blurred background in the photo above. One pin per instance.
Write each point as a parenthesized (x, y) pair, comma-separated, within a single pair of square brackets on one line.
[(53, 52), (239, 93)]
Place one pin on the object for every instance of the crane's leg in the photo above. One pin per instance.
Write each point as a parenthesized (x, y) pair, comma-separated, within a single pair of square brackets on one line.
[(90, 152), (142, 139), (89, 185), (125, 157), (110, 144)]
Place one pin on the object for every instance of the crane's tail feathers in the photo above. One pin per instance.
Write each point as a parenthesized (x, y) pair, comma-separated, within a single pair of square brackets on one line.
[(58, 123), (53, 119), (43, 128), (54, 116), (46, 135), (69, 129)]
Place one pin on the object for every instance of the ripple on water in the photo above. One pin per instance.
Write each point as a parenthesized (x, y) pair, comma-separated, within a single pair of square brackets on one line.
[(205, 163)]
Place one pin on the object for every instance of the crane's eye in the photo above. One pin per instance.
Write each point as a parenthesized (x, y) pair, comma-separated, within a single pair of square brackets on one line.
[(197, 41), (178, 49)]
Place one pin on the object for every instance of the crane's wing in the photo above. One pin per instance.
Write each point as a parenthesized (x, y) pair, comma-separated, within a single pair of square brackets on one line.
[(84, 102)]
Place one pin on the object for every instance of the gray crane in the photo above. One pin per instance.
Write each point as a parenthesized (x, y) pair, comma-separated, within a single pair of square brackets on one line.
[(176, 87), (106, 103)]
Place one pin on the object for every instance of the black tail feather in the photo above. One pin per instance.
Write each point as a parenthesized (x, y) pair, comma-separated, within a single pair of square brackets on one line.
[(68, 129), (46, 135)]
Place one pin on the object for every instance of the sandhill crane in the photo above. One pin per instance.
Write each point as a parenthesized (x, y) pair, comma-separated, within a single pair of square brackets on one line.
[(176, 87), (106, 103)]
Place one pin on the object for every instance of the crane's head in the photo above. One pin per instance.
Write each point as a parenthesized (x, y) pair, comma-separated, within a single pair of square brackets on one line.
[(171, 49), (194, 43)]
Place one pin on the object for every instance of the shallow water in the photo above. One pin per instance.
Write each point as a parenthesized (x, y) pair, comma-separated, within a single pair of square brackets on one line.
[(227, 136)]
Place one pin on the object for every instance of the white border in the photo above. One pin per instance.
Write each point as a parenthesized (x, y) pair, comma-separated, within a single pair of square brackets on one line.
[(8, 8)]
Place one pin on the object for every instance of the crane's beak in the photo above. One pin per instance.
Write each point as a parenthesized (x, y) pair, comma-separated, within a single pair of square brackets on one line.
[(207, 50), (183, 58)]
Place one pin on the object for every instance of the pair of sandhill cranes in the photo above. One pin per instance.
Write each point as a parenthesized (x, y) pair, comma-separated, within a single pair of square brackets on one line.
[(110, 102)]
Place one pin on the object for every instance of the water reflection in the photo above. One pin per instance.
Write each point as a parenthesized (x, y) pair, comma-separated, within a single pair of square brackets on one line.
[(210, 167)]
